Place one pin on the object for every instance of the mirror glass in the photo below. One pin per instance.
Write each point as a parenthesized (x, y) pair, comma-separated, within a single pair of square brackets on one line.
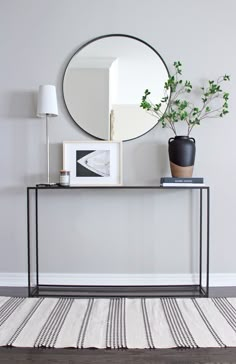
[(104, 82)]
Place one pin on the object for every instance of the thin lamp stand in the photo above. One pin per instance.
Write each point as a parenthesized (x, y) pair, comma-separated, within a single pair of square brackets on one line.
[(48, 153), (48, 156)]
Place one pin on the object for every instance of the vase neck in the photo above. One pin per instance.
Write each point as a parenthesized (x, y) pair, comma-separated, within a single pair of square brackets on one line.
[(181, 137)]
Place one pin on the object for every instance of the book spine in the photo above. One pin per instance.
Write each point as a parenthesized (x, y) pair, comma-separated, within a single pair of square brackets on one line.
[(185, 184), (181, 180)]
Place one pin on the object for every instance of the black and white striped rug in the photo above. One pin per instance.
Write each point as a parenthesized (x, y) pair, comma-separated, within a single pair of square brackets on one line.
[(118, 322)]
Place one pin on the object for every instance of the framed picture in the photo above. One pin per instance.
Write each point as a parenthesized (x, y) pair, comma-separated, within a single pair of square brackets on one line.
[(93, 162)]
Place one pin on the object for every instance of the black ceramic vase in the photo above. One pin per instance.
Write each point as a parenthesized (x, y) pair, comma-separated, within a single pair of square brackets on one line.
[(182, 151)]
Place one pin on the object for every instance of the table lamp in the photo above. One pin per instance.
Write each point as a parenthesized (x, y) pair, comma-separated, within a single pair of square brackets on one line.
[(47, 106)]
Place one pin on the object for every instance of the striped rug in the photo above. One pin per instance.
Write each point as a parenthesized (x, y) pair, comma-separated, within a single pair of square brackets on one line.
[(118, 322)]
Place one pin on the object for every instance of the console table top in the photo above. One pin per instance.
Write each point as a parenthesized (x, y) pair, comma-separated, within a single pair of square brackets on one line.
[(59, 187)]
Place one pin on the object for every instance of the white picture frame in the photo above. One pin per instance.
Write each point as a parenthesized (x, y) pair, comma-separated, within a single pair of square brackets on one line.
[(93, 163)]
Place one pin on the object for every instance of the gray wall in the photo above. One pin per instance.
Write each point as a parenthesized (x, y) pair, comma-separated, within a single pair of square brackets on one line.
[(145, 232)]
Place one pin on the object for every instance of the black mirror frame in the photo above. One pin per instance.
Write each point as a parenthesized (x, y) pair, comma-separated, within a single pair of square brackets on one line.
[(85, 45)]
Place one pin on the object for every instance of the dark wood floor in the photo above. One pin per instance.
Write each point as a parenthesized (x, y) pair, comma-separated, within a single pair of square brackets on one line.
[(213, 291), (98, 356)]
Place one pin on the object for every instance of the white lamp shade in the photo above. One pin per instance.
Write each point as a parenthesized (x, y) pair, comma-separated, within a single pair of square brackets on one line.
[(47, 101)]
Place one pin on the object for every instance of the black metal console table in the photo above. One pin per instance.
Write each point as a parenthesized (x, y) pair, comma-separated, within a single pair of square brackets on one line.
[(196, 290)]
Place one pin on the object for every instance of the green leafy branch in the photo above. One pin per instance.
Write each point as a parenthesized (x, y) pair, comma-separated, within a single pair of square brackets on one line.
[(179, 108)]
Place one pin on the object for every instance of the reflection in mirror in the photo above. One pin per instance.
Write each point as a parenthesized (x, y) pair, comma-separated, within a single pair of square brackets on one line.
[(104, 83)]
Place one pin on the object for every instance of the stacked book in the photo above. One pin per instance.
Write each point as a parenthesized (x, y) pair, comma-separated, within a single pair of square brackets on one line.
[(182, 182)]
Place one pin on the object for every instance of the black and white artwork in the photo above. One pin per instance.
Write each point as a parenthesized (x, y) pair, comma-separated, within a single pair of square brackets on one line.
[(92, 163)]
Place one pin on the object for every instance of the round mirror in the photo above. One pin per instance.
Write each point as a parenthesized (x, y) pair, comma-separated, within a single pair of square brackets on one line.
[(104, 82)]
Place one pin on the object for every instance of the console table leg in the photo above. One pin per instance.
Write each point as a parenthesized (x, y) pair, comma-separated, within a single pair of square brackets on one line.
[(36, 237), (208, 241), (200, 242), (28, 240)]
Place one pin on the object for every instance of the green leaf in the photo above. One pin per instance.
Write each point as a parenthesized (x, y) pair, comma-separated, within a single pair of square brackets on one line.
[(183, 105), (164, 99), (146, 105), (183, 115), (226, 96), (157, 107), (195, 111), (147, 92), (195, 121)]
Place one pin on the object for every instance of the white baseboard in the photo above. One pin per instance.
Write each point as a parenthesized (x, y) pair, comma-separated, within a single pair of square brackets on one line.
[(222, 280), (20, 279)]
